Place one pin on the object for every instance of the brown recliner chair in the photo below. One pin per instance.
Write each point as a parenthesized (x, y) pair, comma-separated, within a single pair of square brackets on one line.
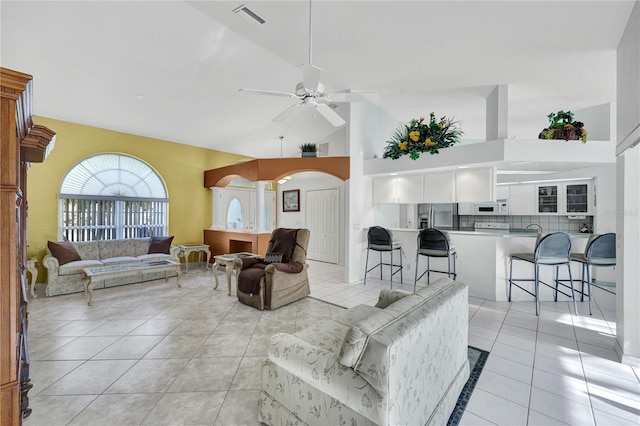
[(281, 277)]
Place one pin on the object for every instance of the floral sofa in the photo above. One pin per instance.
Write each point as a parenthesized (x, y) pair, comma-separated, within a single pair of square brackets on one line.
[(69, 277), (403, 361)]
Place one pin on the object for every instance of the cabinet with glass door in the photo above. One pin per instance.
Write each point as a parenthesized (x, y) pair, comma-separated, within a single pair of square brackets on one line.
[(548, 200), (577, 198), (565, 198)]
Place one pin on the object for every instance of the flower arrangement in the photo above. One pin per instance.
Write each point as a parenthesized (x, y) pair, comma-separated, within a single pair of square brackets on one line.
[(417, 137), (563, 126)]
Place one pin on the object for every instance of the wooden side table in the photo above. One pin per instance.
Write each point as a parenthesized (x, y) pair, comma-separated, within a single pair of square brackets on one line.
[(227, 261), (187, 249), (32, 268)]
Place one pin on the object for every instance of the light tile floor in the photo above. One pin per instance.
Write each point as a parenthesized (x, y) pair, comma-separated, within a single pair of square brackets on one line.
[(154, 354)]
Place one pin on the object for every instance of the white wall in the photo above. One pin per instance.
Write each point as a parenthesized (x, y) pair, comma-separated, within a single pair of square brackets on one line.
[(628, 194), (337, 143), (369, 128), (598, 120), (628, 81), (628, 249), (309, 181)]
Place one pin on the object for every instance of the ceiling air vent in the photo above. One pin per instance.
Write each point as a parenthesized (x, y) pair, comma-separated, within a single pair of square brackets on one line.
[(248, 14)]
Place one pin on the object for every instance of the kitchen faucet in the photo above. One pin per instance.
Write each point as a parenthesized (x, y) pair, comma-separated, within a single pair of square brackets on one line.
[(529, 226)]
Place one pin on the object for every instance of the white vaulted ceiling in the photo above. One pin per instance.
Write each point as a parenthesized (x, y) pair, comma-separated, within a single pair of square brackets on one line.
[(172, 69)]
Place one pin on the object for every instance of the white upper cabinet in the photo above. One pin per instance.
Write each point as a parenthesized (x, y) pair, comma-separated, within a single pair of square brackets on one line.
[(565, 198), (503, 192), (439, 187), (397, 190), (522, 200), (409, 189), (473, 185), (548, 198), (578, 198), (384, 190), (476, 185)]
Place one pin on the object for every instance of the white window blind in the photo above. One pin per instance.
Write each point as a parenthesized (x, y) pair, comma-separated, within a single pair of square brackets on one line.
[(112, 196)]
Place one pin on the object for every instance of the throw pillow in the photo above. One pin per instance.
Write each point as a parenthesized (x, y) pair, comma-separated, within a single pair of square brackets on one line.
[(64, 251), (387, 297), (160, 245), (273, 258)]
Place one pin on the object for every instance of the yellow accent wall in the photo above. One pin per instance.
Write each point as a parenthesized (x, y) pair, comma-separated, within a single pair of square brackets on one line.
[(181, 166)]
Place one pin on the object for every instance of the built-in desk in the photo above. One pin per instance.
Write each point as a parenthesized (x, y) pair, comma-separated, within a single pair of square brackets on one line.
[(223, 241)]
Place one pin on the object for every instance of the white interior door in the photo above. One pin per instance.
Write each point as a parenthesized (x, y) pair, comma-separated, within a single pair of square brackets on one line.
[(322, 220)]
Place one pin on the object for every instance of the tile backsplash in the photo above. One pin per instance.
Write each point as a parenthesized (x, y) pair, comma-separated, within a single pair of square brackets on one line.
[(548, 223)]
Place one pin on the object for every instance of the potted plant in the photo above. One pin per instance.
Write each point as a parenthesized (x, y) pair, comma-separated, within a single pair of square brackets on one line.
[(563, 126), (309, 150)]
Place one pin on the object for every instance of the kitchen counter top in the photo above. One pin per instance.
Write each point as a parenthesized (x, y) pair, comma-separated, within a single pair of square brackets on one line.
[(506, 234)]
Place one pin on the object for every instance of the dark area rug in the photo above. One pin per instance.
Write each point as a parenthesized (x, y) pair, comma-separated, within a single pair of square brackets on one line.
[(477, 359)]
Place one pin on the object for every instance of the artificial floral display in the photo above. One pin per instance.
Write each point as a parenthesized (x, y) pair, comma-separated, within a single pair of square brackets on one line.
[(563, 126), (417, 136)]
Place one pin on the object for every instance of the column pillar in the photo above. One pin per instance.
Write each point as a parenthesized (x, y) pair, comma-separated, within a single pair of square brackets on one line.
[(260, 206)]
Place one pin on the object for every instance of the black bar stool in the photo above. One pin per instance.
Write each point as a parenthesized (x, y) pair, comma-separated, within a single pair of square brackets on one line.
[(434, 243), (380, 239), (551, 250)]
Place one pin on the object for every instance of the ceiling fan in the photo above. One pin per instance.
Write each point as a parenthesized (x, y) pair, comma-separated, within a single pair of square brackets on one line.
[(312, 93)]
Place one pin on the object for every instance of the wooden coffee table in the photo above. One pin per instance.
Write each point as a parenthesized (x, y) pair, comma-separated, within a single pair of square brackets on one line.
[(102, 273), (227, 261)]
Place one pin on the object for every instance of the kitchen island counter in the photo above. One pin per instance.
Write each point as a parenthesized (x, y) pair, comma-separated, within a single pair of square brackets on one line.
[(483, 261), (499, 234)]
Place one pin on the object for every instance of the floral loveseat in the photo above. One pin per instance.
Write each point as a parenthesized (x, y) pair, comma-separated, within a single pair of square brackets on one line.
[(402, 362), (68, 277)]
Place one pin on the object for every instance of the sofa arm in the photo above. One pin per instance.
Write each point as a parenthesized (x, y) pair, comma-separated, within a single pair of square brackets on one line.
[(320, 368), (174, 251), (52, 265)]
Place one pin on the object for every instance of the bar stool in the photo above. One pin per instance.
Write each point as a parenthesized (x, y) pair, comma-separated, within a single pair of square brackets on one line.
[(434, 243), (550, 250), (380, 239), (600, 251)]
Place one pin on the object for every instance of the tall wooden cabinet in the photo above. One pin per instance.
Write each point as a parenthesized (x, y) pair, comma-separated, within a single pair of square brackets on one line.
[(21, 143)]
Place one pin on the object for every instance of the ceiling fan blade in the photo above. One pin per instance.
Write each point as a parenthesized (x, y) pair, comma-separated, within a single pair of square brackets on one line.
[(311, 77), (331, 116), (352, 97), (292, 110), (270, 93)]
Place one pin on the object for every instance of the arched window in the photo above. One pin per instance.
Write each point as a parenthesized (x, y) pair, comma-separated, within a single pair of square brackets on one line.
[(109, 196)]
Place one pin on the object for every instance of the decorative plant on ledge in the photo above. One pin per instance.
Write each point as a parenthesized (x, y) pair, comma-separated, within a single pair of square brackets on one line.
[(417, 136), (563, 126), (309, 149)]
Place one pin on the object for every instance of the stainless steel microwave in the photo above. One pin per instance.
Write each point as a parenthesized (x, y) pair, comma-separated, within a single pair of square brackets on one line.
[(499, 208)]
